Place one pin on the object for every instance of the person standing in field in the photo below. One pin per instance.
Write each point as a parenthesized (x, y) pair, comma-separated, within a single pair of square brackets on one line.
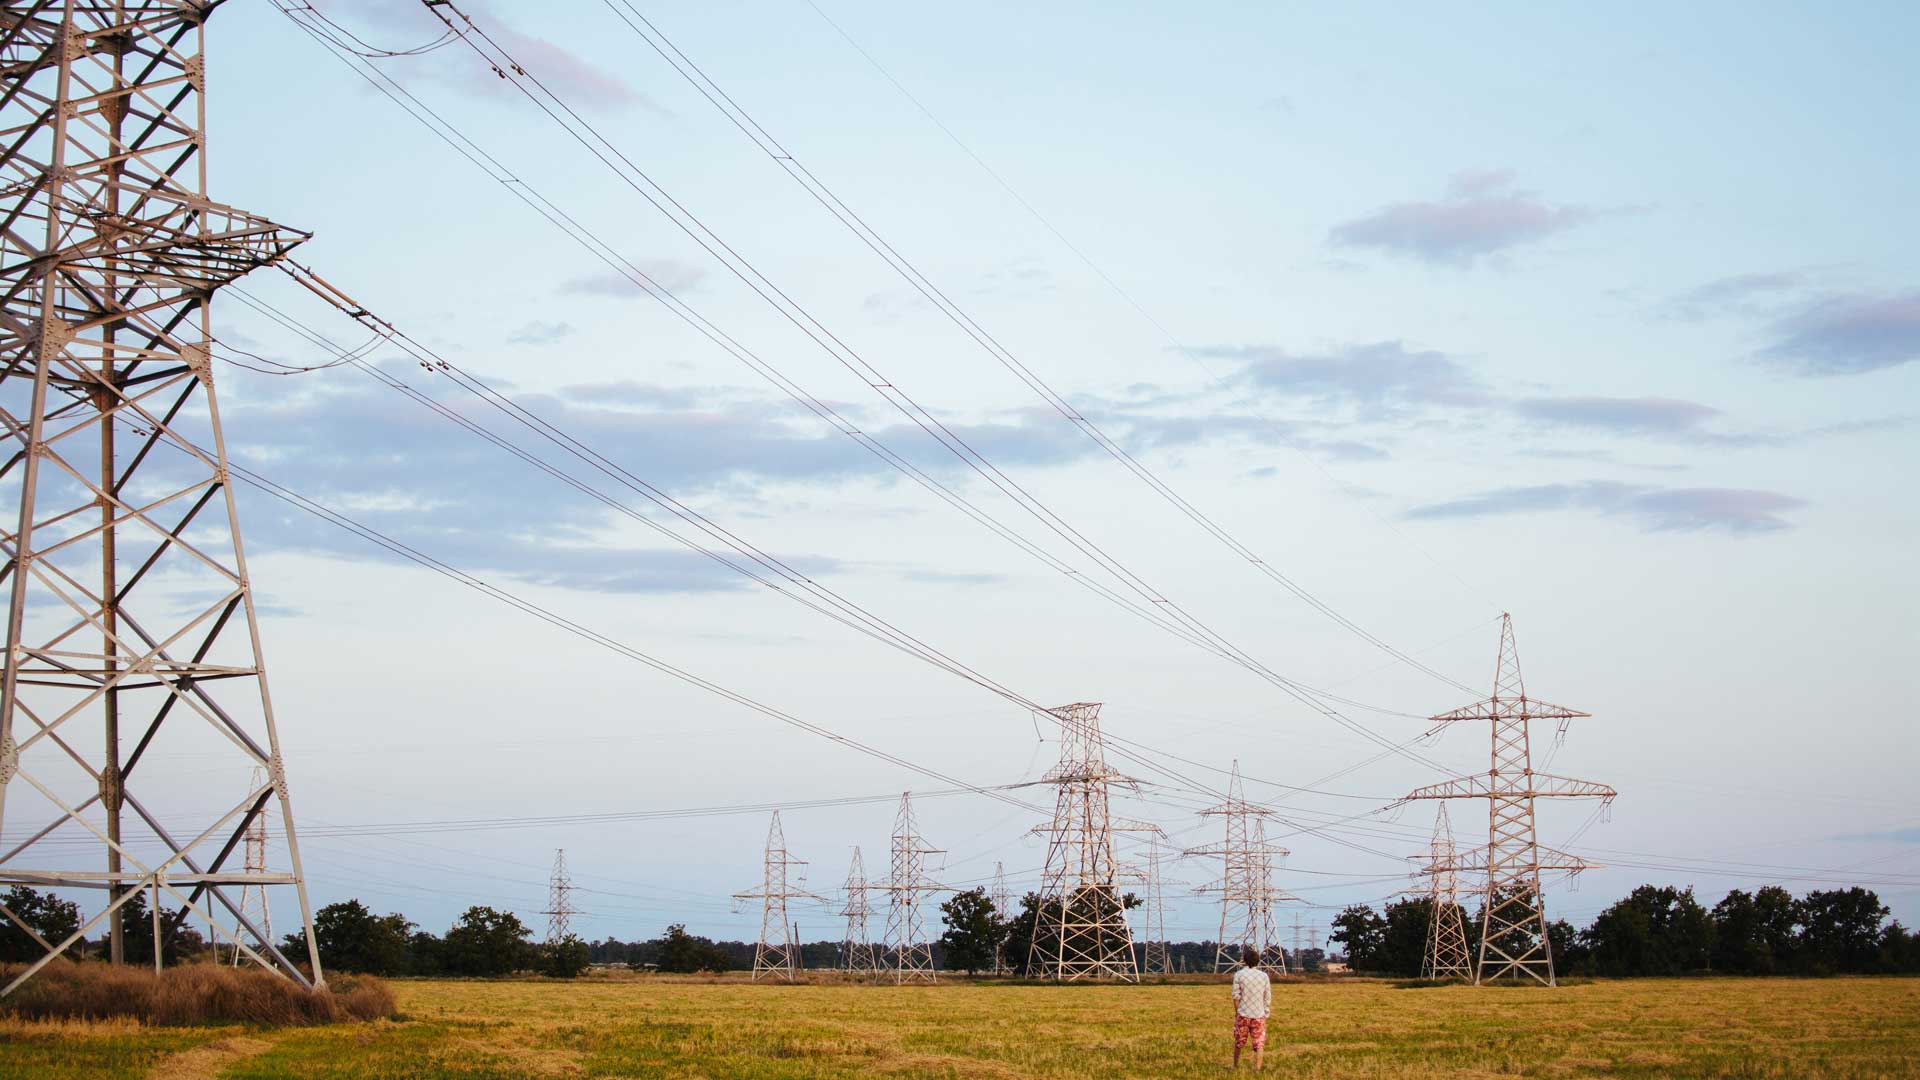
[(1252, 1000)]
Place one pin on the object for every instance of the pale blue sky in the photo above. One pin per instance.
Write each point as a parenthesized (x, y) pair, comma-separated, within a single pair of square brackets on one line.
[(1606, 317)]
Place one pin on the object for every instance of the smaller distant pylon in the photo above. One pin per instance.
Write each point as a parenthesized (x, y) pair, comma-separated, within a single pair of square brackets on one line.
[(777, 954), (859, 953)]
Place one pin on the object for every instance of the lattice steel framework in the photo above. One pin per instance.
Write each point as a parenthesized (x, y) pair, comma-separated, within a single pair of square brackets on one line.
[(1245, 884), (560, 910), (909, 949), (777, 954), (1082, 930), (1513, 919), (1447, 956), (1002, 899), (1155, 957), (857, 952), (129, 603)]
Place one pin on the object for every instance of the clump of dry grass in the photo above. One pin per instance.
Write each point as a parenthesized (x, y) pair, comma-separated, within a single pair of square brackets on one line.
[(191, 995)]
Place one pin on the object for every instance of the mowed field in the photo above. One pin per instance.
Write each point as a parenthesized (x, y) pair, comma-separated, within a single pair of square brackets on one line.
[(667, 1027)]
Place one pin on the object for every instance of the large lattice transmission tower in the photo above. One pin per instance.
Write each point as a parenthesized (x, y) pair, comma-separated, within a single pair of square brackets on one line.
[(1248, 895), (777, 954), (1002, 898), (131, 634), (253, 898), (560, 910), (908, 889), (1513, 919), (1082, 930), (858, 953)]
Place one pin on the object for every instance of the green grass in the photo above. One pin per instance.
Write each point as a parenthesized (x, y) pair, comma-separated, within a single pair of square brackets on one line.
[(666, 1027)]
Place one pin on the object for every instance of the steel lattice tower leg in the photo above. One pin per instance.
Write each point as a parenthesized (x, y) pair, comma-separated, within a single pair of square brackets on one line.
[(109, 259), (1513, 928), (1082, 929)]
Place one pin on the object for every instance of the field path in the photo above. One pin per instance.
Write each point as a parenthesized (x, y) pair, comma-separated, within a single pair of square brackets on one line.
[(205, 1062)]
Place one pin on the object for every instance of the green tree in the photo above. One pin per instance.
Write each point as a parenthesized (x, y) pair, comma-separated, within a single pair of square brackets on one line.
[(974, 931), (1753, 933), (426, 954), (177, 939), (1403, 940), (52, 918), (486, 942), (1840, 930), (1655, 930), (566, 958), (1362, 933), (686, 953), (352, 938)]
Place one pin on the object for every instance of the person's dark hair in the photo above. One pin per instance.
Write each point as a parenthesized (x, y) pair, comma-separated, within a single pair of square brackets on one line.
[(1249, 958)]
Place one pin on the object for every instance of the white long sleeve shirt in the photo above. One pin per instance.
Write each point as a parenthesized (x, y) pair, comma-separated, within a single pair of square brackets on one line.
[(1252, 993)]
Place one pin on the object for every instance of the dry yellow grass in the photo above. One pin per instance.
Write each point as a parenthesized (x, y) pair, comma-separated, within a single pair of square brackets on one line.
[(667, 1027)]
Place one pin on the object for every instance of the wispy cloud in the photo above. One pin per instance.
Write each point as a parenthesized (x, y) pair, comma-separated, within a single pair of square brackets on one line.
[(1381, 373), (1738, 511), (539, 333), (1847, 334), (1481, 214), (1636, 416), (1908, 835), (1734, 294)]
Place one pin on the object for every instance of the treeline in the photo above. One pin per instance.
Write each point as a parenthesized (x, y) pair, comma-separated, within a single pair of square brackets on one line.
[(1662, 930)]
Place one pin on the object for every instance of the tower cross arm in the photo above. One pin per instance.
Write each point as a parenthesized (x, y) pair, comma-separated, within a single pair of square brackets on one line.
[(1529, 785), (1508, 708)]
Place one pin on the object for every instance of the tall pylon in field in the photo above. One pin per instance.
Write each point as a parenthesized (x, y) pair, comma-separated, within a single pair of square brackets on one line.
[(909, 948), (560, 910), (131, 635), (777, 954), (858, 953), (1447, 956), (1513, 914), (1245, 884), (1002, 899), (1082, 931), (253, 898)]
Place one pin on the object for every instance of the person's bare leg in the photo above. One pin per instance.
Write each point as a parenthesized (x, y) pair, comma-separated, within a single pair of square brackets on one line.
[(1236, 1053), (1259, 1056)]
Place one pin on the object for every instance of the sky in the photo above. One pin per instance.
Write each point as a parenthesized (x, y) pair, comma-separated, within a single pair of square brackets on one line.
[(1607, 319)]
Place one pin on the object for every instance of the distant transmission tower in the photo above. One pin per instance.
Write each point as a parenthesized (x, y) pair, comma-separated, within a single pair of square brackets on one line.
[(1447, 956), (253, 898), (1245, 885), (1082, 931), (1003, 909), (777, 954), (909, 949), (1513, 921), (560, 910), (1156, 959), (130, 612), (858, 952)]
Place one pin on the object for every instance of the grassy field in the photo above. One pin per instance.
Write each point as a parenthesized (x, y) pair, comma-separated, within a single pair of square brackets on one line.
[(664, 1027)]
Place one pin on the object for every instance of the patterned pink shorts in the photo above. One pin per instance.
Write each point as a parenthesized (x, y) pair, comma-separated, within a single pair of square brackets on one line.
[(1250, 1029)]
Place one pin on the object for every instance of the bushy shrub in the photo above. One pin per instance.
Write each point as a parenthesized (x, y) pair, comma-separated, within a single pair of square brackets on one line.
[(192, 994)]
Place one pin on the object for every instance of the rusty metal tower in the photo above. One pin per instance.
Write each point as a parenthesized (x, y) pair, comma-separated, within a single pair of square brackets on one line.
[(1082, 930), (777, 954), (858, 953), (1002, 899), (1245, 885), (560, 910), (909, 949), (1513, 919), (1447, 955), (130, 615)]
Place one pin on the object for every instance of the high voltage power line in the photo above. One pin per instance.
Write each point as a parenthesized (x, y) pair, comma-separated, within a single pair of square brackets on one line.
[(820, 335)]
